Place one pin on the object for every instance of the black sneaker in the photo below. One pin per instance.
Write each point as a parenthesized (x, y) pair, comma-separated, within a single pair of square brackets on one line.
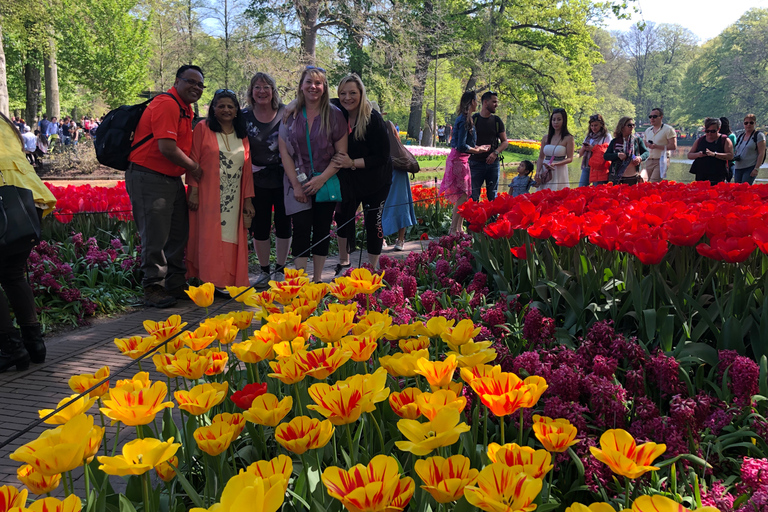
[(340, 269), (179, 293), (155, 296)]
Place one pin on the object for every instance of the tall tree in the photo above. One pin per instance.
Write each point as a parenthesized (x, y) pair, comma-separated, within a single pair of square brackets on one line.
[(4, 99), (51, 70)]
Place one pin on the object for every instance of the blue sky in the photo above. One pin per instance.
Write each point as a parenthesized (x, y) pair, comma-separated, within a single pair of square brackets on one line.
[(705, 18)]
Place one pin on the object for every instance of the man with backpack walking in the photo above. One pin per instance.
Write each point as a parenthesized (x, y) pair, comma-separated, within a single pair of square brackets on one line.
[(155, 187), (484, 167)]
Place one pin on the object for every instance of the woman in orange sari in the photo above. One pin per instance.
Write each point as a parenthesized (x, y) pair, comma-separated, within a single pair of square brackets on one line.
[(217, 250)]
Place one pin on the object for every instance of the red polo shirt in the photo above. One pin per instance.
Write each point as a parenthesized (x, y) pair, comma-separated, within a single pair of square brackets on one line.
[(163, 120)]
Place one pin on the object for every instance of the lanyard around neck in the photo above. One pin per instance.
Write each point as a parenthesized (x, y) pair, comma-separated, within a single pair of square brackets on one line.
[(309, 144)]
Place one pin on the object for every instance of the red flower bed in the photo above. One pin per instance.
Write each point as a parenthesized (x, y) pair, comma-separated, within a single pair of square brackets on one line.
[(72, 199)]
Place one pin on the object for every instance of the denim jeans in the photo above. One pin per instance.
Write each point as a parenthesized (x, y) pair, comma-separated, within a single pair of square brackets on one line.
[(483, 172), (584, 180), (743, 176)]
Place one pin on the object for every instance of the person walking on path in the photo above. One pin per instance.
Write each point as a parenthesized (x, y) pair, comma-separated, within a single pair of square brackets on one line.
[(155, 188), (217, 251), (457, 181), (262, 121), (484, 167), (659, 138), (750, 152)]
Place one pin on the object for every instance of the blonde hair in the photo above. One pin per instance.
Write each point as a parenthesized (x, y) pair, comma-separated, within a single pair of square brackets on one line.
[(620, 125), (752, 117), (364, 110), (263, 77), (297, 105)]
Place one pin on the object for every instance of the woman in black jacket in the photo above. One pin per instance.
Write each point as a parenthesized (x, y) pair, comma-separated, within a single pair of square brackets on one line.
[(366, 172), (626, 152)]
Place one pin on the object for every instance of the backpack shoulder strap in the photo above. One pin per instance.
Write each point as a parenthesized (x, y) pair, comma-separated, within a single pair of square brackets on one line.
[(182, 113)]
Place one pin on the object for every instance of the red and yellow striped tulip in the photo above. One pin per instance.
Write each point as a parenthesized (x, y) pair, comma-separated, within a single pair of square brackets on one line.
[(287, 371), (135, 346), (236, 421), (286, 326), (372, 488), (255, 349), (139, 456), (404, 403), (431, 403), (444, 430), (246, 491), (214, 439), (602, 507), (403, 365), (268, 410), (83, 382), (224, 325), (201, 295), (343, 289), (35, 481), (379, 322), (331, 326), (200, 399), (217, 360), (399, 332), (341, 405), (164, 329), (360, 346), (281, 466), (69, 504), (200, 339), (165, 469), (137, 401), (235, 291), (304, 433), (501, 488), (438, 373), (659, 503), (302, 307), (185, 363), (364, 281), (536, 463), (322, 362), (409, 345), (314, 292), (462, 333), (556, 435), (503, 393), (445, 479), (477, 372), (619, 451), (286, 291), (79, 406), (11, 497)]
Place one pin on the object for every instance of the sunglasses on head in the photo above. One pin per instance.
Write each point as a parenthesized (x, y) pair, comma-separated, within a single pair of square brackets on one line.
[(309, 68), (219, 91), (710, 131), (653, 116)]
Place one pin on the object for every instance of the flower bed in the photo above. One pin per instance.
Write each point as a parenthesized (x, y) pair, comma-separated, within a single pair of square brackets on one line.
[(673, 262), (405, 390)]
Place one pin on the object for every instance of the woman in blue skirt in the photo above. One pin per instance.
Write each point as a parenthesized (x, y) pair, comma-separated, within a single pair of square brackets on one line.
[(398, 208)]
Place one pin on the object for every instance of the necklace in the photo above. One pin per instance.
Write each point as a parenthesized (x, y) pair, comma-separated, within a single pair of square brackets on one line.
[(225, 139)]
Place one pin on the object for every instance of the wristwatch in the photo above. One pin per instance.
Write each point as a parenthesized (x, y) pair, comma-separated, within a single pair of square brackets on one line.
[(495, 152), (353, 165)]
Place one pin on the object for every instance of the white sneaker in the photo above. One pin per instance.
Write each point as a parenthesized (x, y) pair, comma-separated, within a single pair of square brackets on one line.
[(399, 246)]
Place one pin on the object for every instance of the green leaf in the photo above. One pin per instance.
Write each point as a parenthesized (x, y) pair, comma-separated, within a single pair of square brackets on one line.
[(126, 505), (764, 373), (189, 489)]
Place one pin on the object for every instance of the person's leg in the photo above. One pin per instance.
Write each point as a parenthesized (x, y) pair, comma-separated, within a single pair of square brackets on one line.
[(748, 177), (262, 224), (653, 168), (584, 179), (456, 220), (738, 175), (282, 228), (492, 179), (302, 231), (175, 247), (322, 216), (373, 205), (345, 229), (477, 175), (12, 350)]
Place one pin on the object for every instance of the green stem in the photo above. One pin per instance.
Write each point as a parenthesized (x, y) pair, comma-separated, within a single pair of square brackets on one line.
[(87, 476), (485, 430), (66, 485), (298, 400), (206, 494), (139, 361), (71, 481), (234, 461), (101, 414), (626, 492), (139, 432), (520, 433), (145, 491), (117, 437), (501, 426), (352, 454), (378, 431), (549, 484), (305, 470)]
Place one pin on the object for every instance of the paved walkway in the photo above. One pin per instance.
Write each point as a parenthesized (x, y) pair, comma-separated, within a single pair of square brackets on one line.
[(85, 350)]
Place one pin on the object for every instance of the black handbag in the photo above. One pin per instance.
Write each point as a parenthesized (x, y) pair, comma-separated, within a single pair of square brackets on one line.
[(19, 224)]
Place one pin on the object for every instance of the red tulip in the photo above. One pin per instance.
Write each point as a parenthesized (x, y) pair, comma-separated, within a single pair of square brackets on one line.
[(499, 229), (520, 252), (760, 237), (650, 251), (683, 231), (245, 397), (735, 250)]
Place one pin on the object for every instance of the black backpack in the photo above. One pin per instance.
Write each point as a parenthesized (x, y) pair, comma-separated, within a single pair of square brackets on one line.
[(754, 139), (114, 136)]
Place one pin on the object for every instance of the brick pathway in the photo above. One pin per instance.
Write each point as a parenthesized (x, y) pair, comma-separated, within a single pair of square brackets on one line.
[(85, 350)]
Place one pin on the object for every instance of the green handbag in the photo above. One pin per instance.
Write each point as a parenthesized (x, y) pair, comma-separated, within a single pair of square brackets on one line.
[(330, 192)]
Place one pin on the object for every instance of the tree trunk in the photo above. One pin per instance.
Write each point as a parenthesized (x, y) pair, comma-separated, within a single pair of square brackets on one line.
[(307, 12), (417, 95), (34, 86), (4, 101), (52, 105)]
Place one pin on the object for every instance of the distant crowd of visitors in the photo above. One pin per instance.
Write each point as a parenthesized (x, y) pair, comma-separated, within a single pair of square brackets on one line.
[(46, 134)]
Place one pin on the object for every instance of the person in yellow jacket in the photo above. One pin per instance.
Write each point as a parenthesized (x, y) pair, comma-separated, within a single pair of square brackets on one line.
[(15, 171)]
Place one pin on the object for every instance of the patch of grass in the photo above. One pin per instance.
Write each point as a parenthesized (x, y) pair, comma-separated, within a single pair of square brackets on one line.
[(435, 168)]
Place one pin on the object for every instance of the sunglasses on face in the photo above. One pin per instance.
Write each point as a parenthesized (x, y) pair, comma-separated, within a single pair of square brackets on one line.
[(631, 125), (710, 131), (653, 116), (193, 83), (749, 122)]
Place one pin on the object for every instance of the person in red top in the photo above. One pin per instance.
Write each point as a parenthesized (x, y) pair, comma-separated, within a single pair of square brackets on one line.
[(154, 185)]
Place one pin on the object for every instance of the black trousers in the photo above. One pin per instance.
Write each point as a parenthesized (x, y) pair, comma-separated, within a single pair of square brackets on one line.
[(264, 200), (18, 291), (311, 229), (373, 208)]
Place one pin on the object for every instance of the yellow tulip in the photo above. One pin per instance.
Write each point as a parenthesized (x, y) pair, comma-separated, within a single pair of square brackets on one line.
[(286, 326), (83, 382), (302, 307), (445, 479), (375, 487), (438, 373), (398, 332), (286, 291), (374, 386), (79, 406), (501, 488), (59, 450), (164, 330), (200, 339), (404, 403), (409, 345), (288, 371), (135, 346), (35, 481), (462, 333), (71, 503), (94, 438), (214, 439), (444, 430), (265, 302), (659, 503), (469, 374), (136, 402), (11, 497), (225, 328), (236, 421), (364, 281), (139, 456), (242, 319), (620, 452), (304, 433), (201, 295), (361, 347), (556, 435), (255, 349), (187, 363), (287, 349), (536, 463), (322, 362), (217, 360), (314, 292), (431, 403), (295, 273), (379, 322), (436, 326), (165, 470), (338, 308), (280, 466), (342, 289), (200, 399), (330, 327), (605, 507), (267, 410), (246, 491), (403, 365), (474, 359), (340, 405), (236, 291), (503, 393), (164, 364), (537, 385)]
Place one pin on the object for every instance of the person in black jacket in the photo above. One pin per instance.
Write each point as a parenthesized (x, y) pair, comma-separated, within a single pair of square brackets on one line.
[(366, 172)]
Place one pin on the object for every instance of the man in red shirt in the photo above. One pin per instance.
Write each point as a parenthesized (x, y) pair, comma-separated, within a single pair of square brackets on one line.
[(157, 193)]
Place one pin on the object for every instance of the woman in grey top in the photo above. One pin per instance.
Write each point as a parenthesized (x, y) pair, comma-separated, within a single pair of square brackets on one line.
[(749, 152)]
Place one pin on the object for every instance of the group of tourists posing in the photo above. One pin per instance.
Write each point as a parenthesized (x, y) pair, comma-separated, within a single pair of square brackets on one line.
[(295, 168), (621, 157)]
